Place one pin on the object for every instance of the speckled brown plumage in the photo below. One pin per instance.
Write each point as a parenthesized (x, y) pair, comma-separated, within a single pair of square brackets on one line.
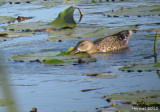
[(106, 44)]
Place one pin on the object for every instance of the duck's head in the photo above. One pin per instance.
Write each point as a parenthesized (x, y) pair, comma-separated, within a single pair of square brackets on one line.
[(84, 45), (127, 33)]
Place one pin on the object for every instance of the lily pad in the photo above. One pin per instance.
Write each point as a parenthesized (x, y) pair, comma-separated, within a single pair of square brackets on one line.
[(66, 52), (39, 56), (62, 35), (7, 35), (140, 67), (128, 101), (141, 10), (84, 32), (65, 19), (101, 75), (27, 26), (6, 19), (53, 61), (52, 57)]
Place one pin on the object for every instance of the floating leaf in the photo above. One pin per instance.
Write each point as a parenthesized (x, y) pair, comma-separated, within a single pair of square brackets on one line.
[(66, 52), (7, 35), (128, 100), (101, 75), (140, 67), (39, 56), (6, 19), (53, 61), (62, 35), (70, 49), (139, 11), (65, 19), (84, 32), (27, 26), (52, 57)]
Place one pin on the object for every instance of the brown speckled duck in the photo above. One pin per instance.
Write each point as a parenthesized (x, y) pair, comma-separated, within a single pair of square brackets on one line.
[(106, 44)]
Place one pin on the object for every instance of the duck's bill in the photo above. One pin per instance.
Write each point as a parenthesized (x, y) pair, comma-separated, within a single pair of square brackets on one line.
[(74, 51)]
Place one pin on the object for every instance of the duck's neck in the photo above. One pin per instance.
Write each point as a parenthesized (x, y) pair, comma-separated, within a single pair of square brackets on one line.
[(94, 49)]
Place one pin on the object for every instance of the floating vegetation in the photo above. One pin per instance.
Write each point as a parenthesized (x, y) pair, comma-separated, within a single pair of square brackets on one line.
[(7, 35), (140, 67), (53, 57), (83, 32), (65, 18), (27, 26), (101, 75), (129, 101), (53, 61), (6, 19), (138, 11)]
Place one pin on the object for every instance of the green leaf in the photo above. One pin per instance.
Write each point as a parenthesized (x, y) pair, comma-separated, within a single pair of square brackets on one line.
[(34, 56), (27, 26), (138, 99), (65, 19), (53, 61), (70, 49), (141, 10), (6, 19), (140, 67), (66, 52)]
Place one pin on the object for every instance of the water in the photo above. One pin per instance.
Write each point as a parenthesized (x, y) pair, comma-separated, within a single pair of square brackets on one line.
[(59, 88)]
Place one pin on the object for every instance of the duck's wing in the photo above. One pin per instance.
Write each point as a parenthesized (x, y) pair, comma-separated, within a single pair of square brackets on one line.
[(123, 35), (113, 42)]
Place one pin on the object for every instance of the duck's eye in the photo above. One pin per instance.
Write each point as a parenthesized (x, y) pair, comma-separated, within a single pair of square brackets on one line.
[(83, 44)]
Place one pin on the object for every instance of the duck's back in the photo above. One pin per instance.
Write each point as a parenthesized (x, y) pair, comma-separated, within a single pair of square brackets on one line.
[(114, 42)]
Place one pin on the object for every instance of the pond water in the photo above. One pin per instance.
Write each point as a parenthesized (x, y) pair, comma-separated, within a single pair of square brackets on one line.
[(62, 88)]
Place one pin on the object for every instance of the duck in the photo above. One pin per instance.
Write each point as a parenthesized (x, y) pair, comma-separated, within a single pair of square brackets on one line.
[(109, 43)]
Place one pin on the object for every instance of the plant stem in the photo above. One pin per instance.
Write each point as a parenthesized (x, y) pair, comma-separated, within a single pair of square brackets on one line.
[(155, 43), (155, 50)]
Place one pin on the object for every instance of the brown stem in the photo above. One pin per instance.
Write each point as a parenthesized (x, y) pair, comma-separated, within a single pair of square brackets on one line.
[(81, 13)]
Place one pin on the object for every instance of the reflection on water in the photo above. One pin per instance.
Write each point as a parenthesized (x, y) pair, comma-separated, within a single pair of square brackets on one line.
[(59, 88)]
